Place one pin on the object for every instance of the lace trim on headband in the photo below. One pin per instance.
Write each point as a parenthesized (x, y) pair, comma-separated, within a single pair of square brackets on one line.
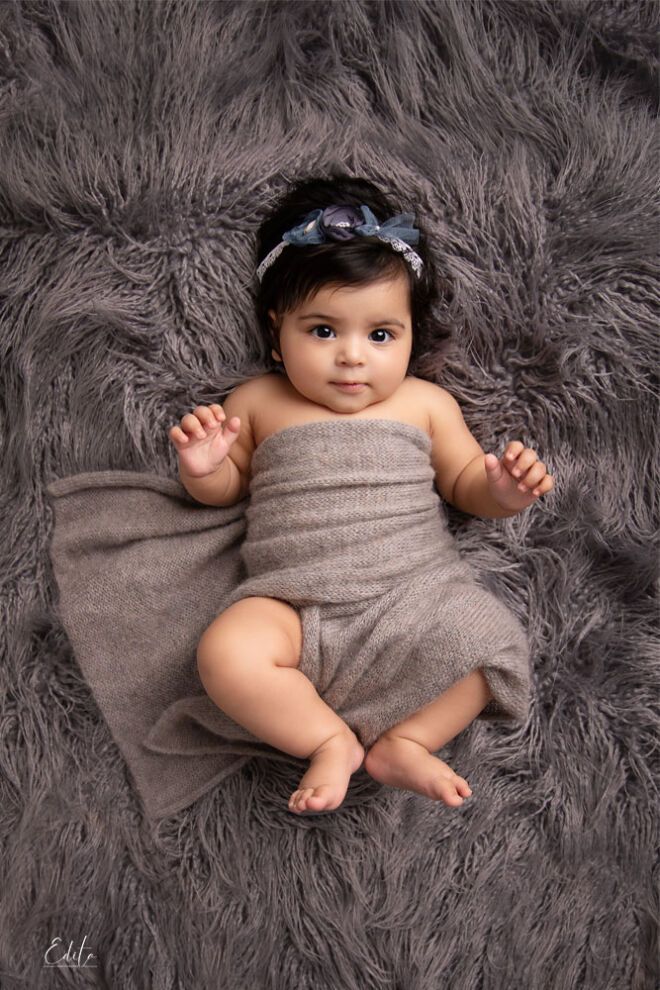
[(411, 257)]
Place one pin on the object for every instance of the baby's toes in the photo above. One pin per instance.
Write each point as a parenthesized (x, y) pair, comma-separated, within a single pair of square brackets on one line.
[(462, 786), (319, 797), (453, 797), (299, 798), (305, 794), (447, 789)]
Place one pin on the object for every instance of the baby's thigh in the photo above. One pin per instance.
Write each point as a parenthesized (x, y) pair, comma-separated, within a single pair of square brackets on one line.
[(252, 630)]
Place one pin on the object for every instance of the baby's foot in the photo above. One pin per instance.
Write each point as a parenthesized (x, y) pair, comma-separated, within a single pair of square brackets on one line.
[(409, 766), (324, 786)]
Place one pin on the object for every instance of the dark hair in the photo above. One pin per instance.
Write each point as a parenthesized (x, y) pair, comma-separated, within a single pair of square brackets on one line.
[(298, 272)]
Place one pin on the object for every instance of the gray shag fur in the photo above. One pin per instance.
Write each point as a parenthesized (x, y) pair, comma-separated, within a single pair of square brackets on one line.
[(140, 146)]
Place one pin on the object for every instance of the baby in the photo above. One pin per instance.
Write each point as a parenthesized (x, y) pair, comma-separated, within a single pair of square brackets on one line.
[(340, 283)]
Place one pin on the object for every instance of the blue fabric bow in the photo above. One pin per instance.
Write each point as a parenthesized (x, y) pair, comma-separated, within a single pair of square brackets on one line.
[(340, 223)]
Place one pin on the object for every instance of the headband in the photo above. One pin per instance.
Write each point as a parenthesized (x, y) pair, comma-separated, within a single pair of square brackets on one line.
[(342, 223)]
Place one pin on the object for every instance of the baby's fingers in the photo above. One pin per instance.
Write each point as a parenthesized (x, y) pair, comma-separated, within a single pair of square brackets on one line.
[(544, 486), (513, 450), (203, 423), (193, 427), (232, 426), (177, 435), (210, 416), (219, 417)]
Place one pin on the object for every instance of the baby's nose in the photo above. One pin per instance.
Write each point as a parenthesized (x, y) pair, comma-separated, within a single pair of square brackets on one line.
[(352, 353)]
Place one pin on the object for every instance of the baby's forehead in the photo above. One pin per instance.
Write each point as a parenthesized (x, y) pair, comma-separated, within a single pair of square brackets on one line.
[(395, 291)]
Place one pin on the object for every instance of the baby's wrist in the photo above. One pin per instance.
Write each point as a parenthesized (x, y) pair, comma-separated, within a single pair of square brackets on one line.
[(220, 487), (215, 473)]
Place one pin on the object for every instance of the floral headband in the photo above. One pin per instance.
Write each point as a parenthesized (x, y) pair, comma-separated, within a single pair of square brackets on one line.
[(342, 223)]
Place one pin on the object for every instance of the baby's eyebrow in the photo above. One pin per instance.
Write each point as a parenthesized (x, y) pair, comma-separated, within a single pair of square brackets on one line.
[(376, 323)]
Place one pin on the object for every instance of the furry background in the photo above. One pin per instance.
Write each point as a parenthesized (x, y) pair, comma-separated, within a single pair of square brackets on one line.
[(140, 145)]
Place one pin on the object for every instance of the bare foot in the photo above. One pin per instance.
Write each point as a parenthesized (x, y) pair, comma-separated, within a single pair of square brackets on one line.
[(324, 786), (409, 766)]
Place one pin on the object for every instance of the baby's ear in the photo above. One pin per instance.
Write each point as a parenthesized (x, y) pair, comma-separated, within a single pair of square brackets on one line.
[(274, 333), (274, 322)]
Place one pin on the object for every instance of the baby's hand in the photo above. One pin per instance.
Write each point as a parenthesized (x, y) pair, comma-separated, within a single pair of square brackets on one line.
[(518, 478), (201, 442)]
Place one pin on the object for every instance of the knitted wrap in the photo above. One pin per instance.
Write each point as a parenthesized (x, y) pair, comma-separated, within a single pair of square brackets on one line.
[(343, 522)]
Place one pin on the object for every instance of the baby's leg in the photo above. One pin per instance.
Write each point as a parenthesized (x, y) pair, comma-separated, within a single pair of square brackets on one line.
[(402, 757), (247, 661)]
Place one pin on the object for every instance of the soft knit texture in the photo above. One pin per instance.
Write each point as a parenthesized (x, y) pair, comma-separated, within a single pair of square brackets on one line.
[(344, 523)]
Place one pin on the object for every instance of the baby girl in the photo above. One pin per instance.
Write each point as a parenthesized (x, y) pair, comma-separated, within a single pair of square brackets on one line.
[(345, 290)]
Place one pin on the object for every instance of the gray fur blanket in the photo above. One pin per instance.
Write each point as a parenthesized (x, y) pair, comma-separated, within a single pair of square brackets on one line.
[(141, 145), (344, 523)]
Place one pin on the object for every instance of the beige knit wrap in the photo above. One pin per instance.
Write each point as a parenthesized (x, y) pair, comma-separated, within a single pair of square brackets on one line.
[(343, 522)]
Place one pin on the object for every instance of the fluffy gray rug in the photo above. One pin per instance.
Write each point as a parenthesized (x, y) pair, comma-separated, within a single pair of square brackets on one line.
[(140, 145)]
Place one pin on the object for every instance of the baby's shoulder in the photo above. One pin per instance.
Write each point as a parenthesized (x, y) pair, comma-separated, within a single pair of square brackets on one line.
[(251, 391), (425, 393)]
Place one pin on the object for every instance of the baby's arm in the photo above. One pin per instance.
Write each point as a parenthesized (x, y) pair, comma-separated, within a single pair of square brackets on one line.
[(215, 447), (473, 481)]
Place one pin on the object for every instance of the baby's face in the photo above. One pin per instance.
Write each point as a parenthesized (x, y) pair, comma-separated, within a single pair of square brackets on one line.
[(363, 335)]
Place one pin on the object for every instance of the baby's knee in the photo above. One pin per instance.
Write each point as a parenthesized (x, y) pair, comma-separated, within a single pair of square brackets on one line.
[(249, 635), (217, 648)]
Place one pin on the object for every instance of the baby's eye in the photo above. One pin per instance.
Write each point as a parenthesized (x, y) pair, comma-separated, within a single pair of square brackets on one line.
[(323, 326), (382, 330)]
